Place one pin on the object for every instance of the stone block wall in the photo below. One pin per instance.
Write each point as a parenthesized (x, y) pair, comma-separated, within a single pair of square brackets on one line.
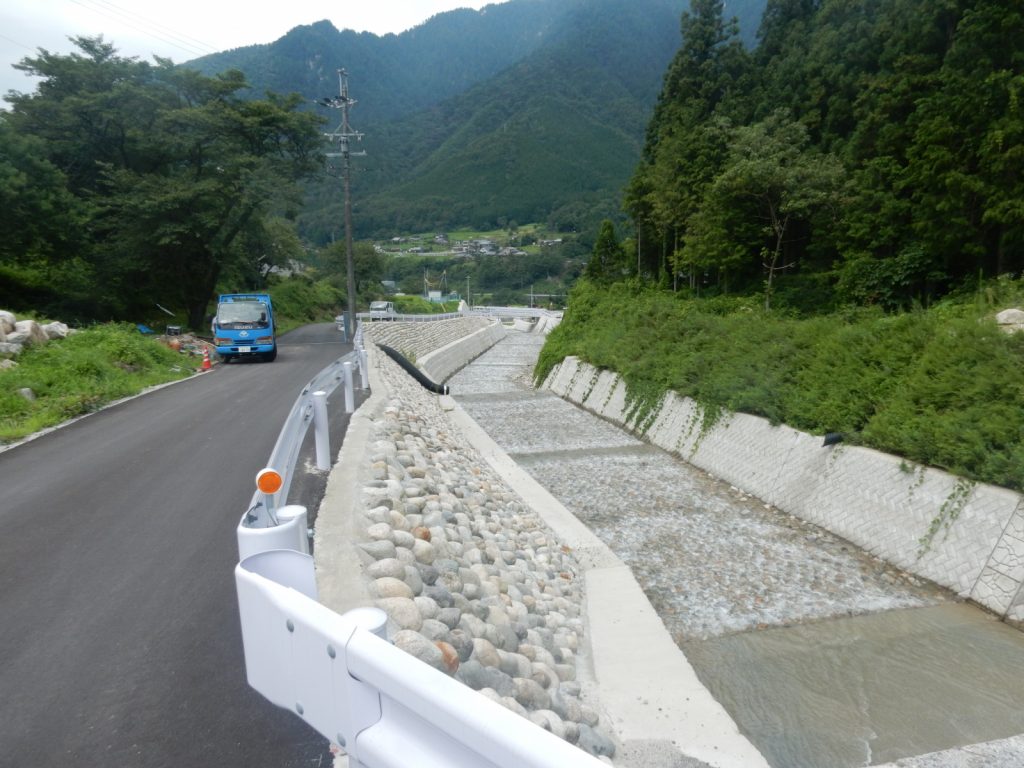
[(439, 347), (440, 364), (966, 536)]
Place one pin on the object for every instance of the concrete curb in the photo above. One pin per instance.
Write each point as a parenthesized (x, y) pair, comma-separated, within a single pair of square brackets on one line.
[(340, 579), (651, 695)]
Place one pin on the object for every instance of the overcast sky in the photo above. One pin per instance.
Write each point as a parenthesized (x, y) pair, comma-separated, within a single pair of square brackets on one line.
[(186, 29)]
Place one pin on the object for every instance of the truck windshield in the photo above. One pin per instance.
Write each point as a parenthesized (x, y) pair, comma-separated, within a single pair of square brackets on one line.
[(242, 315)]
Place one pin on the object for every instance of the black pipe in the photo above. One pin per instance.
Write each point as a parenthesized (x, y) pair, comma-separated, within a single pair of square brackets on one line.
[(412, 370), (831, 438)]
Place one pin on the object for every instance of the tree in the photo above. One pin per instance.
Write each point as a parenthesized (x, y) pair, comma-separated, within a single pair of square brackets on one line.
[(771, 178), (685, 141), (966, 174), (606, 260), (92, 108), (179, 167), (226, 161), (40, 219)]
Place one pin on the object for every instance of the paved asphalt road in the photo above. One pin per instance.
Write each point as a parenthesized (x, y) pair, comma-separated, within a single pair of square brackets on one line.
[(119, 636)]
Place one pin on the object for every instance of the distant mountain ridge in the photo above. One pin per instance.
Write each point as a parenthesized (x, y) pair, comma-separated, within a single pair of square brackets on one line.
[(524, 110), (396, 75)]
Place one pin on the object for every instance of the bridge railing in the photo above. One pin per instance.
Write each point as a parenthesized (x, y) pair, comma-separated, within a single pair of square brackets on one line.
[(523, 313), (379, 318)]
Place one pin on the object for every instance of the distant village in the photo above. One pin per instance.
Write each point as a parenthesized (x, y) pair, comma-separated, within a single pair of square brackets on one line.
[(467, 248)]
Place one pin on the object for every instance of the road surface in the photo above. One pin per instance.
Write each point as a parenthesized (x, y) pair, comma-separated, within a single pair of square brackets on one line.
[(119, 636)]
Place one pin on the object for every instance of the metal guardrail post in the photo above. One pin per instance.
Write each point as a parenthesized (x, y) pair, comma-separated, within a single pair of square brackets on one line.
[(350, 397), (364, 369), (292, 533), (321, 430)]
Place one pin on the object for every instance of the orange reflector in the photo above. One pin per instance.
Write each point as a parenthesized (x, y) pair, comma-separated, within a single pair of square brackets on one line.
[(269, 480)]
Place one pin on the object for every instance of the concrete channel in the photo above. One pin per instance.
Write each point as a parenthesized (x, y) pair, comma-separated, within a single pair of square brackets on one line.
[(824, 655)]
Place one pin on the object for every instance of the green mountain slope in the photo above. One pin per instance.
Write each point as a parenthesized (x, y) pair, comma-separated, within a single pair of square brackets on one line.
[(396, 75), (530, 110)]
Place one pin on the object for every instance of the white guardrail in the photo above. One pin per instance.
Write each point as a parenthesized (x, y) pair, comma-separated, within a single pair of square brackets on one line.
[(523, 313), (339, 673)]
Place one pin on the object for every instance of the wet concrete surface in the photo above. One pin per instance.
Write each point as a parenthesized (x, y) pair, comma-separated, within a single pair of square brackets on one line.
[(824, 655)]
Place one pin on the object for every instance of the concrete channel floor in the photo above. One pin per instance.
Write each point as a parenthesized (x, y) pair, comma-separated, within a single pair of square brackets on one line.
[(718, 564)]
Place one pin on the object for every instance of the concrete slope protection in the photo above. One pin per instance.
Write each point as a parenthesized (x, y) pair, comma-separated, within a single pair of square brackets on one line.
[(412, 370), (965, 536), (822, 652), (660, 712)]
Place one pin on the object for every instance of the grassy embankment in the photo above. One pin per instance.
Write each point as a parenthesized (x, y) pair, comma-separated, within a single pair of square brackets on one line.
[(76, 375), (941, 387)]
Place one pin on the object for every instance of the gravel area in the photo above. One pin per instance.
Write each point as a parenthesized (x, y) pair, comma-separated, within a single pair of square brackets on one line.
[(472, 580), (712, 560)]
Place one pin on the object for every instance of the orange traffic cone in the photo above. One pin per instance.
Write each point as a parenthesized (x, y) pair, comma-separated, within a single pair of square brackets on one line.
[(206, 359)]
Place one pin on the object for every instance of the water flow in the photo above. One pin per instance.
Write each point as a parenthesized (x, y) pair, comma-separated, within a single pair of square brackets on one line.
[(824, 655), (870, 689)]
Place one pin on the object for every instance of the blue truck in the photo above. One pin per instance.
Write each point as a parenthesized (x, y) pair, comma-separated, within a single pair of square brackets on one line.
[(244, 327)]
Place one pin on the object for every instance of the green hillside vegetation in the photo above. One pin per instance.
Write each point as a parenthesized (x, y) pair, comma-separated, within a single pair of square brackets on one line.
[(498, 149), (868, 153), (74, 376), (940, 387), (823, 228)]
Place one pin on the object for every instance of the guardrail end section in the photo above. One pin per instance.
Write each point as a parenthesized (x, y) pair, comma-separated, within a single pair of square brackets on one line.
[(295, 648)]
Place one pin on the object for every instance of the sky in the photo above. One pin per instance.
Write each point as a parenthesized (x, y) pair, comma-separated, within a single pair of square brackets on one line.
[(186, 29)]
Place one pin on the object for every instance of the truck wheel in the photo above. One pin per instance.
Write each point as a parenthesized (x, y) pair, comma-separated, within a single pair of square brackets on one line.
[(270, 356)]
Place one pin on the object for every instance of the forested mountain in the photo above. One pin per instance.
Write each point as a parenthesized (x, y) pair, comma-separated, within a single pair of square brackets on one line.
[(524, 110), (553, 137), (868, 152)]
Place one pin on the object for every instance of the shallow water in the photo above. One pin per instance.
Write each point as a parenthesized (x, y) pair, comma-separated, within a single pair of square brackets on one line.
[(870, 689)]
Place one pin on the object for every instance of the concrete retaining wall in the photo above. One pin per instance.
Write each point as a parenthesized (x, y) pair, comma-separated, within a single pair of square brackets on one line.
[(965, 536), (442, 363), (442, 347)]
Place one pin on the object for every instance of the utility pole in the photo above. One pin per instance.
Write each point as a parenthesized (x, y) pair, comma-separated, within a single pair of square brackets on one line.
[(343, 134)]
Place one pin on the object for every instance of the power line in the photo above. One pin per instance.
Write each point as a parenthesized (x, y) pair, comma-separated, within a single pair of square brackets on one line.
[(17, 43), (147, 26), (144, 24)]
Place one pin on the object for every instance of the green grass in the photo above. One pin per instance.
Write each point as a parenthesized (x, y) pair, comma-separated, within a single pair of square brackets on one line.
[(941, 387), (417, 305), (79, 374), (300, 300)]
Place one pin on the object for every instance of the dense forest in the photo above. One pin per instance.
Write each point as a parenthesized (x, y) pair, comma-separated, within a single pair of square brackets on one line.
[(824, 229), (865, 153), (125, 184)]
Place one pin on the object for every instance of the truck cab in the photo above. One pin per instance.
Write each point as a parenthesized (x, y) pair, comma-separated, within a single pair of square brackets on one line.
[(382, 310), (244, 327)]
